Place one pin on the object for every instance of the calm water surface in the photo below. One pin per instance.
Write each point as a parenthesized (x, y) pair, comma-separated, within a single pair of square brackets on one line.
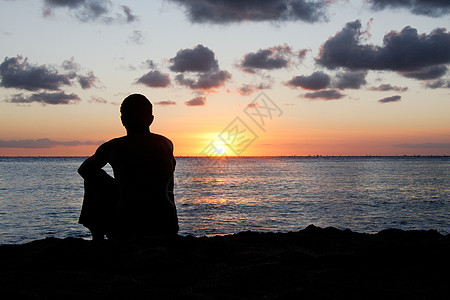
[(41, 197)]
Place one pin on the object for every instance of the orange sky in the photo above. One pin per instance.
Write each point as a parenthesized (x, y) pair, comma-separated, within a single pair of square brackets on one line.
[(63, 77)]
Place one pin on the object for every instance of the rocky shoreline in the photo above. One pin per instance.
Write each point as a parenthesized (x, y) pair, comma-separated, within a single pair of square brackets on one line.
[(314, 263)]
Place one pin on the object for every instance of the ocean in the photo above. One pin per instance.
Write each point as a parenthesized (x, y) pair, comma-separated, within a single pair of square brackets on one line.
[(42, 196)]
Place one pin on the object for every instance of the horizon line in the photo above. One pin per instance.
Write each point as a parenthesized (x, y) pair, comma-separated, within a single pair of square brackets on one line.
[(239, 156)]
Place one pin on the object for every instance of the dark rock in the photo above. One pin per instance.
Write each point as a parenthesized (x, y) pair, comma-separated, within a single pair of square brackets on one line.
[(314, 263)]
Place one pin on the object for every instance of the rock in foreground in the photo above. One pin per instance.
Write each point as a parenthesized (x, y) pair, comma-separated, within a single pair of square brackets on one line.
[(313, 263)]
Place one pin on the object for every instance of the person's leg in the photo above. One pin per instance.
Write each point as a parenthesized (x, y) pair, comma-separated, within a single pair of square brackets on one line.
[(99, 204)]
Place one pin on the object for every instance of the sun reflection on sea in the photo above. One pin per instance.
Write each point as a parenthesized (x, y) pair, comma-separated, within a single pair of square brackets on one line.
[(211, 200)]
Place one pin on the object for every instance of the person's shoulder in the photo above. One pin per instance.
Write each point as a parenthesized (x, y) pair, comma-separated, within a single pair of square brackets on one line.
[(113, 143), (161, 138)]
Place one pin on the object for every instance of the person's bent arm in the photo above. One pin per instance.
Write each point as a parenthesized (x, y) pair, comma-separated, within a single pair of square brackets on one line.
[(94, 164)]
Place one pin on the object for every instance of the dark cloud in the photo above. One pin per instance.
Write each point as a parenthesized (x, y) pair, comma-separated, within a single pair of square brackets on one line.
[(248, 89), (266, 59), (325, 95), (319, 80), (316, 81), (427, 73), (202, 62), (88, 81), (155, 79), (425, 145), (165, 103), (66, 3), (277, 57), (204, 81), (388, 87), (228, 11), (45, 98), (197, 101), (351, 80), (17, 73), (432, 8), (438, 84), (42, 143), (402, 51), (130, 17), (85, 10), (390, 99), (91, 10), (198, 59)]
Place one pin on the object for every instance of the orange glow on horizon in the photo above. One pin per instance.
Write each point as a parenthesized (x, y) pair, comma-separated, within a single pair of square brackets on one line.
[(286, 143)]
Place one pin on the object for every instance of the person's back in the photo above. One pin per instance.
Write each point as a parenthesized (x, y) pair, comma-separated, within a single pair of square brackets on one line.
[(143, 166)]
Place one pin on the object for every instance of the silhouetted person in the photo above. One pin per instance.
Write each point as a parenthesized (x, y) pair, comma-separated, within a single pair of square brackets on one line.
[(139, 199)]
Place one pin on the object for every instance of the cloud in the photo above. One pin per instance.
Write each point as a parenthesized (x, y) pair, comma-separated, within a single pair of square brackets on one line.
[(42, 143), (71, 65), (248, 89), (319, 80), (390, 99), (45, 98), (155, 79), (229, 11), (403, 51), (388, 87), (425, 145), (197, 101), (98, 100), (85, 10), (427, 73), (149, 64), (204, 81), (88, 81), (202, 63), (17, 73), (91, 10), (434, 8), (267, 59), (325, 95), (137, 37), (277, 57), (165, 103), (130, 17), (315, 81), (351, 80), (438, 84), (198, 59)]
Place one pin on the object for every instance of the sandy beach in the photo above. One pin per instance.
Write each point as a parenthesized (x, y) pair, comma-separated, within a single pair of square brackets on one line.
[(314, 263)]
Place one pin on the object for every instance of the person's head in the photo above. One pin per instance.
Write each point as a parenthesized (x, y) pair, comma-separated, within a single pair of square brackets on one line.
[(136, 112)]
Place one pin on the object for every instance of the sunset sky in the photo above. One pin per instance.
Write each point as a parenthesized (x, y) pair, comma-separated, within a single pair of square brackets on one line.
[(286, 77)]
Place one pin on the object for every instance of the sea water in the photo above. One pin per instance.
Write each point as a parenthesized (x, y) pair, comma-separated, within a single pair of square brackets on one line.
[(42, 196)]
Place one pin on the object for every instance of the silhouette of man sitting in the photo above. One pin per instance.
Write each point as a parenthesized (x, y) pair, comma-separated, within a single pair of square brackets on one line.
[(139, 199)]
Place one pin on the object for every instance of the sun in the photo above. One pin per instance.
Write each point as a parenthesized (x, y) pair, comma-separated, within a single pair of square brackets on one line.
[(216, 147), (221, 150)]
